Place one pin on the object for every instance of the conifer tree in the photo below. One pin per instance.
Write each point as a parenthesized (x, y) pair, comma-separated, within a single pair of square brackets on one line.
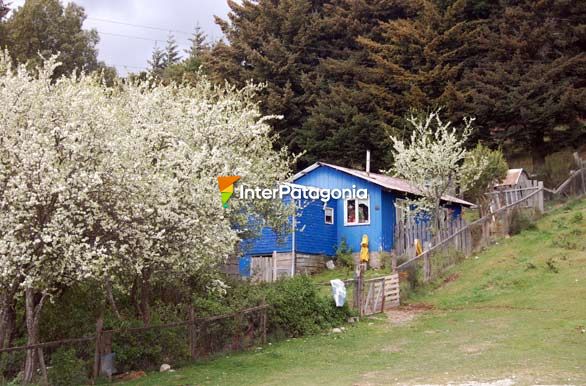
[(528, 91), (157, 62), (344, 119), (171, 51), (276, 42), (198, 43)]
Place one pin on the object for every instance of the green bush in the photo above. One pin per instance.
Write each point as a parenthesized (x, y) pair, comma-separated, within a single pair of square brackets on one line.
[(66, 369), (298, 309), (556, 168), (520, 221), (147, 349), (344, 254)]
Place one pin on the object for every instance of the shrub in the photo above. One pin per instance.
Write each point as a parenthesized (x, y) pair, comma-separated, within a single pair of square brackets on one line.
[(520, 221), (556, 168), (344, 254), (149, 348), (66, 369), (298, 309)]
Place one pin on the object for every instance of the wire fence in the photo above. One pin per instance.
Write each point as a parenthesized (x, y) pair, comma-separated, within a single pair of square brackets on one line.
[(139, 347)]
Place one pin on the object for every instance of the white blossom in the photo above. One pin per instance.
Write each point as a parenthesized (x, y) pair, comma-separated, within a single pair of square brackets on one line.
[(97, 182), (432, 161)]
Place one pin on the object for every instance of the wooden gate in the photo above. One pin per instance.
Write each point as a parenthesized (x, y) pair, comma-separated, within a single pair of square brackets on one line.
[(380, 294)]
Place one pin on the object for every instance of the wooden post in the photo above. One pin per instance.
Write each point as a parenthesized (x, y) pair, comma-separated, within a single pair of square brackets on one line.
[(393, 262), (426, 268), (274, 266), (191, 332), (382, 307), (358, 289), (540, 196), (45, 377), (98, 353)]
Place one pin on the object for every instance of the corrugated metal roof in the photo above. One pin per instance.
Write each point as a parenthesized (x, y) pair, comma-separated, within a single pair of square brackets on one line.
[(388, 182), (512, 177)]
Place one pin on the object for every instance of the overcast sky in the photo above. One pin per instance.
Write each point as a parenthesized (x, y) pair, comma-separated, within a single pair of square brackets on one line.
[(130, 53)]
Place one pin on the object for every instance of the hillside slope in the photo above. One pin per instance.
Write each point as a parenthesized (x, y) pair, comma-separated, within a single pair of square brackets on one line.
[(515, 314)]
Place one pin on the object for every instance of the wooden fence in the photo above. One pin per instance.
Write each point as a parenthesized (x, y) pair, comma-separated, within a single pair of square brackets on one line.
[(237, 331), (575, 185), (411, 230), (503, 197), (379, 294), (461, 242)]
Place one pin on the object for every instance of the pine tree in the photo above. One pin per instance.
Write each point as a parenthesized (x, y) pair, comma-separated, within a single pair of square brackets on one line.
[(198, 43), (171, 52), (528, 91), (277, 42), (344, 121), (157, 62)]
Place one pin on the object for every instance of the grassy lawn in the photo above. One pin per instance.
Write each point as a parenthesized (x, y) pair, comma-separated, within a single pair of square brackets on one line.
[(516, 312)]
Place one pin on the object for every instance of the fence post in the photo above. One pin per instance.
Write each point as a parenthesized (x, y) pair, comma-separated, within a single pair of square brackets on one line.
[(358, 281), (540, 196), (393, 262), (426, 268), (98, 354), (191, 332)]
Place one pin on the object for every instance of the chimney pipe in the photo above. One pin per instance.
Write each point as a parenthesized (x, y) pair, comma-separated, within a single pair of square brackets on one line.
[(368, 162)]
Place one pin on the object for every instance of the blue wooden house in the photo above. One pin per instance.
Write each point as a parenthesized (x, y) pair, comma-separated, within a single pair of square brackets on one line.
[(319, 227)]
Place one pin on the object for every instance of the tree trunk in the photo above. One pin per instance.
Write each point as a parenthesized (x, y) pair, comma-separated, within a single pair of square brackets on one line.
[(33, 306), (145, 296), (110, 296), (134, 296), (538, 153), (7, 316)]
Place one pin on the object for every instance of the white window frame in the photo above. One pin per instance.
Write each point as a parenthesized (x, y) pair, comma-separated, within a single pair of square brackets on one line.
[(357, 204), (327, 208)]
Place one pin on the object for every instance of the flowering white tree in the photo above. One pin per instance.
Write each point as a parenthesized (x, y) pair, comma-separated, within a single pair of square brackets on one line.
[(52, 163), (432, 161), (100, 183)]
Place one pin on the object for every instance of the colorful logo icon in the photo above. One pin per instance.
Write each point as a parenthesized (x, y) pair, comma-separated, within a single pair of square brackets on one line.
[(226, 184)]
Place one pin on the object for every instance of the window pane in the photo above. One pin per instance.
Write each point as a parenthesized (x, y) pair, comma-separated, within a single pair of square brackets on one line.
[(329, 216), (363, 213), (350, 211)]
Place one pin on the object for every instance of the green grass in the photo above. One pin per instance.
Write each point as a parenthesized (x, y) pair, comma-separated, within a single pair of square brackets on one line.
[(514, 311)]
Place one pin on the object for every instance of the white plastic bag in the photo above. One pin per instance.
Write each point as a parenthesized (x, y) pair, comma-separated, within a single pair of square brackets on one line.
[(339, 292)]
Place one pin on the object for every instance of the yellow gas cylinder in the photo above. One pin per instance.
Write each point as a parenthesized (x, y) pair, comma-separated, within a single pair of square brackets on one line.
[(364, 249)]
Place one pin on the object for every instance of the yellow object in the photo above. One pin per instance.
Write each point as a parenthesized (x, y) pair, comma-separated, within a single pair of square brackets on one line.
[(364, 249), (418, 247)]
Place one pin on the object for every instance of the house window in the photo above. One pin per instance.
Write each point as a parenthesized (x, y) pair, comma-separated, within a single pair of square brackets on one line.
[(329, 215), (357, 212)]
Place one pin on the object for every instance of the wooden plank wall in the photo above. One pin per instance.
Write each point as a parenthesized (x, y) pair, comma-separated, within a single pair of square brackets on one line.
[(270, 268)]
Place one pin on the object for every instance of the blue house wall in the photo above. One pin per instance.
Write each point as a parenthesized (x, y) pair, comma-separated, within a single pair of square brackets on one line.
[(328, 178), (314, 236)]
